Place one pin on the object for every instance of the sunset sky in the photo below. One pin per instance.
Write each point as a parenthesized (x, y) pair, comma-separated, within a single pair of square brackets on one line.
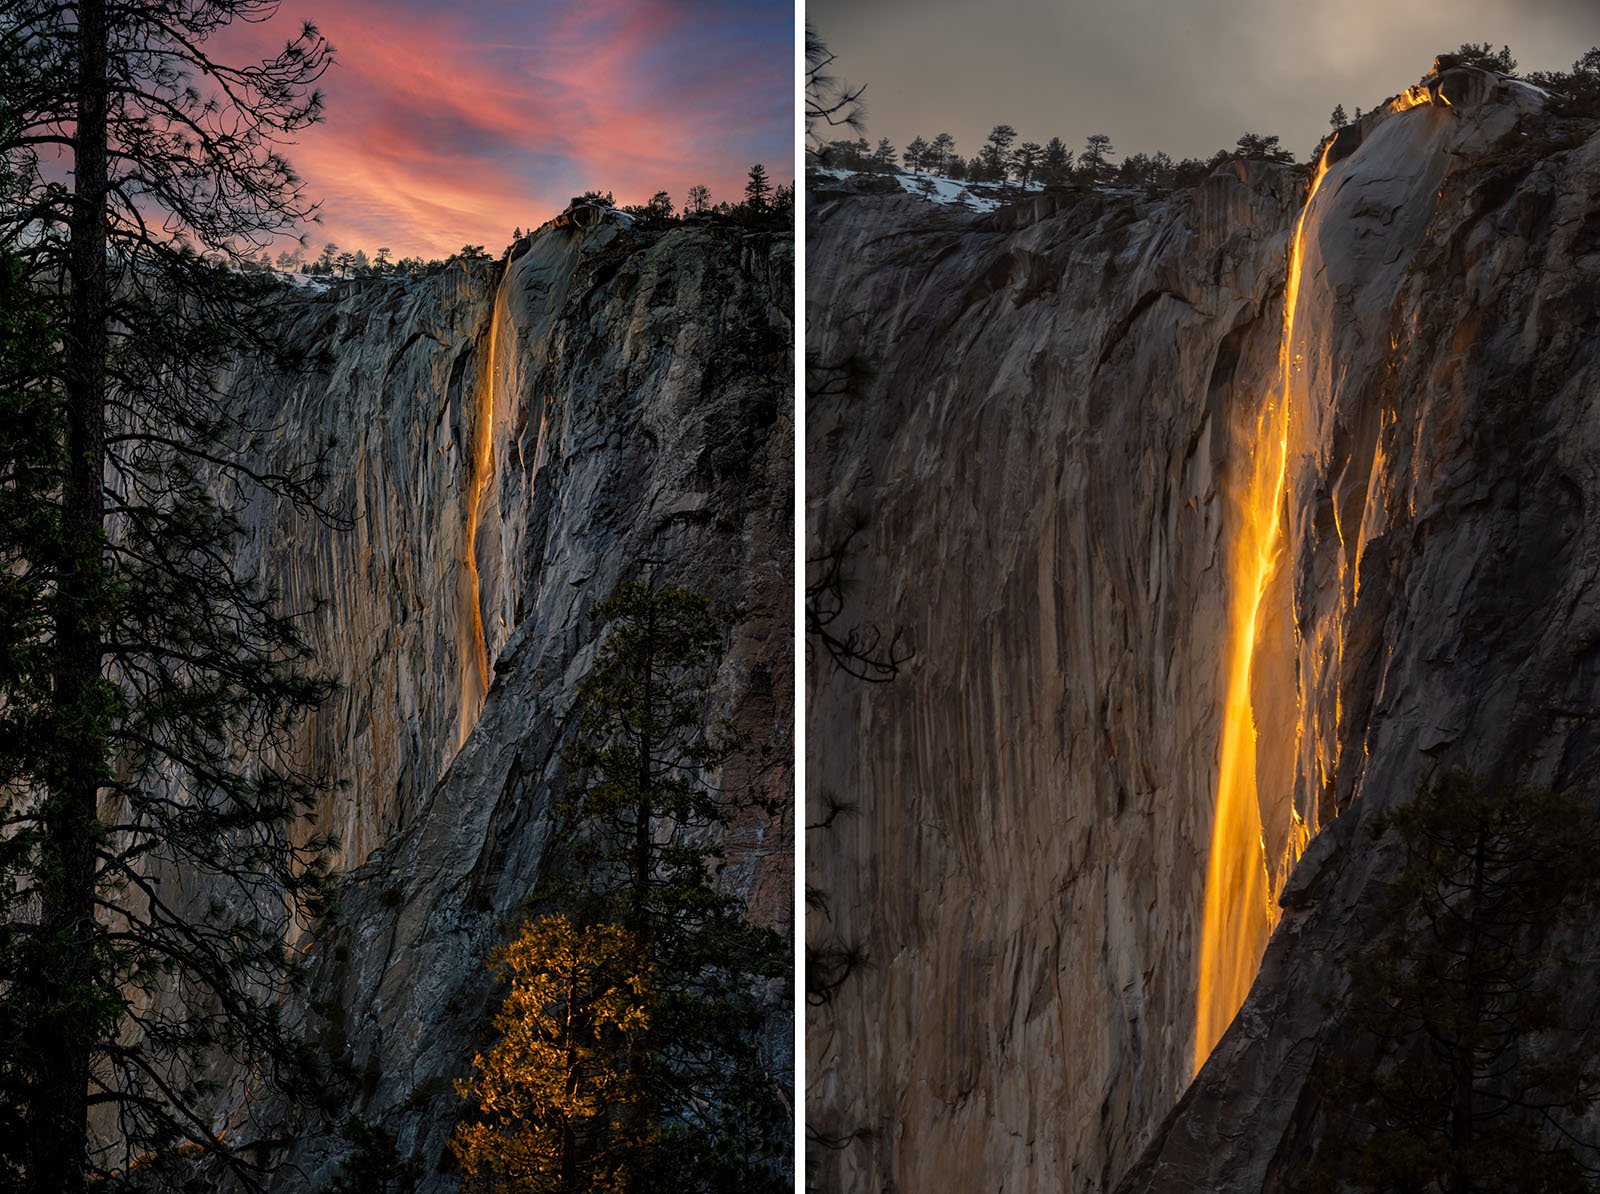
[(454, 123), (1186, 76)]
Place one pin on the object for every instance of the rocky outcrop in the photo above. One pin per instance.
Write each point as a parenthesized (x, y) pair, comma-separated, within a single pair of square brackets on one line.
[(1037, 458), (1042, 419), (1457, 625), (505, 446)]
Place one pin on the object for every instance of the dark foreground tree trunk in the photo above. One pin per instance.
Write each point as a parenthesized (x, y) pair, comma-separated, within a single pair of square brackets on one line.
[(67, 894)]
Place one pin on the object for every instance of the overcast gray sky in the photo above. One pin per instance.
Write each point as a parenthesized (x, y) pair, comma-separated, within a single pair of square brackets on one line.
[(1187, 76)]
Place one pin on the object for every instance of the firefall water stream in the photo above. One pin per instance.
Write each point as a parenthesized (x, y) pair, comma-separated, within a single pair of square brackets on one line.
[(1241, 901), (474, 646), (1240, 909)]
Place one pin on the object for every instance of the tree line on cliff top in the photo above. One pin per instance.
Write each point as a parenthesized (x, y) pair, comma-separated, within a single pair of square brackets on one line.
[(1002, 160), (763, 206)]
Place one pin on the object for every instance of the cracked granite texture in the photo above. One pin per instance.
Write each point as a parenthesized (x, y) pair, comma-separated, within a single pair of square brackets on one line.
[(1058, 396), (611, 397)]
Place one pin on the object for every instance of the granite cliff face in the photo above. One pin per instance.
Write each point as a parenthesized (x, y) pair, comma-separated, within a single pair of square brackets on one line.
[(507, 445), (1051, 452)]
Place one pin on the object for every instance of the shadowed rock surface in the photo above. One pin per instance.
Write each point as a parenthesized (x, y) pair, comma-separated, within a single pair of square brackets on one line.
[(610, 399), (1045, 454)]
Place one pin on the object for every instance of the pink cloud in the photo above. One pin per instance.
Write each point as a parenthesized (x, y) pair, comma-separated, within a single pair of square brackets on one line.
[(454, 125)]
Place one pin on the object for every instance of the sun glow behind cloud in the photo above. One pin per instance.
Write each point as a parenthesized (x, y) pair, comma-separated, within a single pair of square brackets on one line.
[(454, 124)]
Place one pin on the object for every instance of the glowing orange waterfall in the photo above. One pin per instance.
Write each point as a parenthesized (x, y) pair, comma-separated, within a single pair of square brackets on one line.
[(1239, 905), (474, 647)]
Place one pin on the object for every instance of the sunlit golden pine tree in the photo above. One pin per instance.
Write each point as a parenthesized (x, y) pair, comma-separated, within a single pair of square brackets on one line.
[(553, 1094)]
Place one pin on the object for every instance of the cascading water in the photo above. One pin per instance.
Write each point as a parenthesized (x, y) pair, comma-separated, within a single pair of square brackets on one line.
[(1242, 882), (474, 646), (1240, 909)]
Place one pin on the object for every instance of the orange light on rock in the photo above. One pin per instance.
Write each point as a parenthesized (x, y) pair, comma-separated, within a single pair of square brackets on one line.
[(1240, 911), (474, 646)]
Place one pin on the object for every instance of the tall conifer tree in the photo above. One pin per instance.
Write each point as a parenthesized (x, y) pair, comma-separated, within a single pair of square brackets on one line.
[(695, 1102), (159, 678)]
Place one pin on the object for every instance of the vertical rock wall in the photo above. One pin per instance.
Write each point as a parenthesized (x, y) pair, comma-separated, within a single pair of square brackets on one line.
[(1040, 459), (1443, 566), (1046, 455), (391, 398), (638, 389)]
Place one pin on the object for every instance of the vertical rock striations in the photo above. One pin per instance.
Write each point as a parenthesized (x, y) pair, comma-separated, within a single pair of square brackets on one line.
[(1040, 457), (1442, 569), (508, 447), (1050, 456)]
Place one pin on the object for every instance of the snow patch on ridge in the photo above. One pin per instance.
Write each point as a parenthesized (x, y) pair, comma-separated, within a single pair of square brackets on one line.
[(937, 188)]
